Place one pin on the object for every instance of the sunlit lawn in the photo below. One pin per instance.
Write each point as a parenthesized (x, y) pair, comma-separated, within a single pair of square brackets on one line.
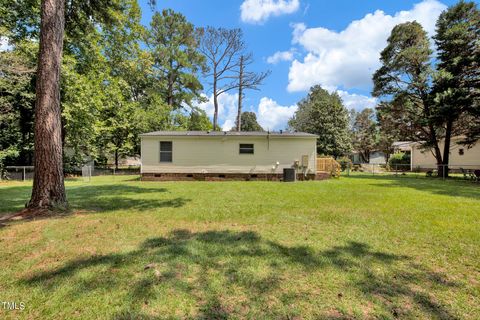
[(356, 247)]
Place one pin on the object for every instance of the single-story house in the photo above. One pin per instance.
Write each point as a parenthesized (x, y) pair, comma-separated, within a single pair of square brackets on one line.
[(461, 156), (216, 155)]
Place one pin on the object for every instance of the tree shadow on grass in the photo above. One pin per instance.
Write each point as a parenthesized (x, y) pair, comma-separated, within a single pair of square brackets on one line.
[(96, 198), (223, 274), (13, 198), (455, 188), (106, 198)]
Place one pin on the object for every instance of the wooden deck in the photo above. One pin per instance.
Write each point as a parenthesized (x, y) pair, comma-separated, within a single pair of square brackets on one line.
[(329, 165)]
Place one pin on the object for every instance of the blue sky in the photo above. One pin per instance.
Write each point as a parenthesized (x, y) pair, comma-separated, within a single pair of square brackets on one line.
[(332, 43)]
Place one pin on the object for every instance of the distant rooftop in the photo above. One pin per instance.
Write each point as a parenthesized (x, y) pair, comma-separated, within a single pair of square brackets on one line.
[(400, 144), (228, 133)]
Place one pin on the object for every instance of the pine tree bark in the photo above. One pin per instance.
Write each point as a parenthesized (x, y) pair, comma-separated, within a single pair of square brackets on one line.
[(48, 182)]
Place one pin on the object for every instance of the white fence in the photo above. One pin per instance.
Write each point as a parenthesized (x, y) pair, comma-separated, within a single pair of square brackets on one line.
[(23, 173)]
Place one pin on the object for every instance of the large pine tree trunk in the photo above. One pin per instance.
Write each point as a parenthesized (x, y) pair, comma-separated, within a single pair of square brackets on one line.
[(48, 185)]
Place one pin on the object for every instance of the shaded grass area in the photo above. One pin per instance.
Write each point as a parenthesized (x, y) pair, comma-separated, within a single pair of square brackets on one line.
[(358, 247)]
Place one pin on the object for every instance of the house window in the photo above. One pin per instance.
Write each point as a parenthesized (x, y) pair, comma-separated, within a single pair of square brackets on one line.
[(460, 152), (246, 148), (166, 151)]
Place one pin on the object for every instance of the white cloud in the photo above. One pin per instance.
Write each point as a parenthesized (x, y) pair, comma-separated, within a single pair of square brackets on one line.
[(258, 11), (356, 101), (281, 56), (348, 58), (272, 116), (227, 109), (4, 46), (228, 124)]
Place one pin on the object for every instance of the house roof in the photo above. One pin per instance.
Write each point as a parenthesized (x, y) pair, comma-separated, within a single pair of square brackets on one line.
[(403, 145), (228, 134)]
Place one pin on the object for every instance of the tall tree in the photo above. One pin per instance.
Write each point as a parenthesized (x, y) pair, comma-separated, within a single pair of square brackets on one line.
[(457, 86), (404, 79), (323, 113), (247, 80), (364, 133), (118, 130), (173, 43), (48, 185), (17, 103), (249, 122), (222, 49)]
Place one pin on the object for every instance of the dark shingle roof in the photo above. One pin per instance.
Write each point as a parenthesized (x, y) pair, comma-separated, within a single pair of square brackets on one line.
[(227, 133)]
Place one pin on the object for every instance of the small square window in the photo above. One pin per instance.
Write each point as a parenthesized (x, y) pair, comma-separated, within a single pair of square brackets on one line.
[(461, 152), (246, 148), (166, 150)]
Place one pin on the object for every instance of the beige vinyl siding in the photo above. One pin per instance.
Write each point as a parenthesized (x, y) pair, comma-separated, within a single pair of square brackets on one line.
[(221, 154), (425, 159)]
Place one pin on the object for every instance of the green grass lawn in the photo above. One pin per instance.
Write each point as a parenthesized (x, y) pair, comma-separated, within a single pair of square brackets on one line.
[(357, 247)]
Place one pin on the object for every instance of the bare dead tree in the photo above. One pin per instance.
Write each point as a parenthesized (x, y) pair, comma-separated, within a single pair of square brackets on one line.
[(222, 49), (247, 80)]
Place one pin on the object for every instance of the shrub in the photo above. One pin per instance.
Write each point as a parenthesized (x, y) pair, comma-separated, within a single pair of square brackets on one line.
[(345, 163), (399, 159)]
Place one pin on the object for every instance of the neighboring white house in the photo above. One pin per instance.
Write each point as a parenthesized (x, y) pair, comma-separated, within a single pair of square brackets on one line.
[(376, 157), (189, 155), (460, 156)]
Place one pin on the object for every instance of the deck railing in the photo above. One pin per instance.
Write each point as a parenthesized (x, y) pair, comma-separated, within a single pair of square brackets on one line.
[(328, 164)]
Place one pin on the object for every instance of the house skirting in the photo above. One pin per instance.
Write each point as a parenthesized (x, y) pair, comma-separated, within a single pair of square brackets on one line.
[(228, 176)]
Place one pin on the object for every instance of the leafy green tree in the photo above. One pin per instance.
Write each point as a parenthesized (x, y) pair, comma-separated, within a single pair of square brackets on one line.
[(117, 130), (173, 43), (199, 121), (323, 113), (81, 111), (17, 100), (249, 122), (364, 133)]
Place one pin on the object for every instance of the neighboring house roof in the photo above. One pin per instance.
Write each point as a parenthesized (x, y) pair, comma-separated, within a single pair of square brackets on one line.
[(371, 151), (403, 145), (228, 134)]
